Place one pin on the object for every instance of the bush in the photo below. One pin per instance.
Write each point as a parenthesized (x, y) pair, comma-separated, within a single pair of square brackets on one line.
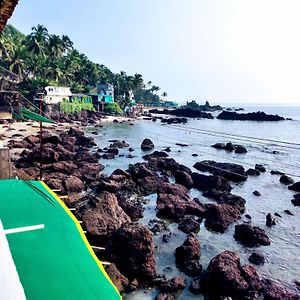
[(75, 106), (113, 108)]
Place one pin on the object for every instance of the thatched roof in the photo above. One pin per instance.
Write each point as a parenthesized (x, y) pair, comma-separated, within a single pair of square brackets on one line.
[(6, 10)]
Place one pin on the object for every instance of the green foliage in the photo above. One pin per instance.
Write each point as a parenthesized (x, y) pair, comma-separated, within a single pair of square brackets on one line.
[(75, 106), (113, 108), (42, 59)]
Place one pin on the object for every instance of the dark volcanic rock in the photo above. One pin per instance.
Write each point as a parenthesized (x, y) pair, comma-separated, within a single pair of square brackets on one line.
[(173, 285), (188, 225), (288, 212), (164, 296), (230, 147), (226, 277), (257, 258), (295, 187), (219, 217), (253, 172), (270, 221), (119, 144), (131, 248), (272, 291), (176, 207), (256, 193), (184, 178), (286, 179), (102, 215), (150, 184), (233, 172), (155, 154), (276, 172), (255, 116), (119, 280), (260, 168), (184, 112), (296, 200), (73, 184), (251, 236), (188, 255), (147, 144), (207, 182)]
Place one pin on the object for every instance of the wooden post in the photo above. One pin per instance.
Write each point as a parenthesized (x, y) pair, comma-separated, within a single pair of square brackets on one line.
[(5, 167)]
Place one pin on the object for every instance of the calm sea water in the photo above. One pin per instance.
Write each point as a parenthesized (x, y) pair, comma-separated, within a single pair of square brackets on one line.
[(283, 259)]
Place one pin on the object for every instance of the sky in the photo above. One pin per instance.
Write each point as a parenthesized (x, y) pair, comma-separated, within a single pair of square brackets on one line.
[(223, 51)]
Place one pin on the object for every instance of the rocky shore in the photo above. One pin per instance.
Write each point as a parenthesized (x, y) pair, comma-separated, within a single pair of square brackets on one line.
[(255, 116), (110, 208)]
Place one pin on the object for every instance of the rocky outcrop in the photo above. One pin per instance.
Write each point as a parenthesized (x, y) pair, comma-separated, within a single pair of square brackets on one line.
[(255, 116), (225, 276), (119, 280), (147, 144), (230, 147), (230, 171), (188, 255), (295, 187), (188, 224), (296, 200), (220, 217), (131, 248), (273, 291), (257, 258), (173, 285), (251, 236), (286, 179), (208, 182), (101, 216), (184, 112)]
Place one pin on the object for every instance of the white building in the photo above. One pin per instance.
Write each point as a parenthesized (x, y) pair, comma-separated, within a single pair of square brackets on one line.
[(55, 94)]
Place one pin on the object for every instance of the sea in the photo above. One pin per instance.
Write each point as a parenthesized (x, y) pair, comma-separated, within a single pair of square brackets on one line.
[(276, 145)]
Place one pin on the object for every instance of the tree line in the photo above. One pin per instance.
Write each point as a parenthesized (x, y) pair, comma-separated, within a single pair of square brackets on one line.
[(42, 59)]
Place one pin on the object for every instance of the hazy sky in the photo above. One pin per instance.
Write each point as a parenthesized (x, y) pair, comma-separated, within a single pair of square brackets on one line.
[(218, 50)]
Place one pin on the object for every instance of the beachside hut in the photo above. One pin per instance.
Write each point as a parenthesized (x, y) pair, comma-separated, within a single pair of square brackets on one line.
[(102, 94), (44, 253)]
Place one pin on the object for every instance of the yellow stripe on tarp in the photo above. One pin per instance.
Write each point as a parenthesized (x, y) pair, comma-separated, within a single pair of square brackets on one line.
[(79, 228)]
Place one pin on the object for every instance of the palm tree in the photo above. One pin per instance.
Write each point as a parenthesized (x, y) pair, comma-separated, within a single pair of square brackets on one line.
[(155, 89), (55, 46), (18, 62), (138, 81), (36, 41), (164, 95), (149, 84), (67, 43)]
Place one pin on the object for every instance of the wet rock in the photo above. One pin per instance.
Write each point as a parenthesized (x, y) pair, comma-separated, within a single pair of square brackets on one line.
[(286, 179), (288, 212), (188, 225), (256, 193), (158, 226), (147, 144), (173, 188), (226, 277), (155, 154), (131, 248), (240, 149), (274, 172), (114, 151), (230, 171), (150, 184), (206, 182), (260, 168), (164, 296), (296, 200), (270, 221), (272, 291), (189, 250), (195, 286), (184, 179), (219, 217), (130, 149), (295, 187), (73, 184), (119, 280), (195, 155), (173, 285), (102, 216), (248, 217), (140, 170), (106, 184), (297, 283), (253, 172), (253, 116), (176, 207), (277, 215), (108, 156), (251, 236), (82, 140), (119, 144), (257, 258)]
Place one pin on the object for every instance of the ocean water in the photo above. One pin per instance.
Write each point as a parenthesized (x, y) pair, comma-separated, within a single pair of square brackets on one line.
[(262, 139)]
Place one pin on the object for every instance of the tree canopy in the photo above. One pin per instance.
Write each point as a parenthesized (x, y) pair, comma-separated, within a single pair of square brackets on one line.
[(42, 59)]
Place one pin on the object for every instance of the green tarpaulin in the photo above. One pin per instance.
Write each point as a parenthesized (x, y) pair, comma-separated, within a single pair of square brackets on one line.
[(54, 261), (27, 114)]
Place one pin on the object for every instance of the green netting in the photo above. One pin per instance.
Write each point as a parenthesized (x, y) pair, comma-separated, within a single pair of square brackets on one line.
[(17, 116), (55, 262), (30, 115)]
